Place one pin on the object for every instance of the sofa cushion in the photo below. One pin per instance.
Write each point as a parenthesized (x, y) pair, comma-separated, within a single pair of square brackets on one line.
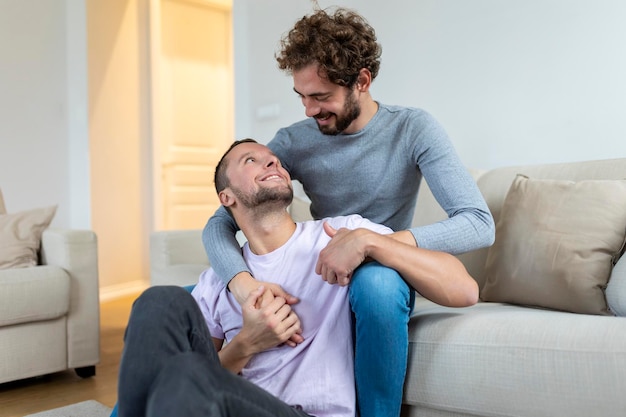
[(495, 359), (20, 236), (33, 294), (556, 243)]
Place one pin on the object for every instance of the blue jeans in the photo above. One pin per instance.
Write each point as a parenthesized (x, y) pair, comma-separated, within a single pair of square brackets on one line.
[(381, 302), (169, 365)]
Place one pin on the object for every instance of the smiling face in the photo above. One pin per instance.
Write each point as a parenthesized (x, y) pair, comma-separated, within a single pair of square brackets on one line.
[(335, 108), (256, 179)]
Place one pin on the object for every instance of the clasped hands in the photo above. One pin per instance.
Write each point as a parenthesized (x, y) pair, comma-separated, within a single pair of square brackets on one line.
[(269, 320)]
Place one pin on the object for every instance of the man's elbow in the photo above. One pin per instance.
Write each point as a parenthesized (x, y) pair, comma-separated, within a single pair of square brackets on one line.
[(471, 296), (467, 295)]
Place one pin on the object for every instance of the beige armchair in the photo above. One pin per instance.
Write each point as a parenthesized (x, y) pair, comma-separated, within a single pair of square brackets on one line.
[(50, 313)]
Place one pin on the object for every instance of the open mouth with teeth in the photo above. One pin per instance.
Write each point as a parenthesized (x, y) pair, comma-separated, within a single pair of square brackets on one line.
[(273, 177), (323, 117)]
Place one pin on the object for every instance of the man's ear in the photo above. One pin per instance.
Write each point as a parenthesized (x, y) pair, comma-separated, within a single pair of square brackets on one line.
[(364, 80), (226, 197)]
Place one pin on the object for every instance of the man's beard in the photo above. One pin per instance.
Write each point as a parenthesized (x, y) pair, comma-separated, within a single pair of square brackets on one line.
[(266, 198), (351, 110)]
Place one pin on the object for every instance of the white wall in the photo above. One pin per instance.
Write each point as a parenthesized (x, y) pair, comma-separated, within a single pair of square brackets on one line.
[(513, 82), (38, 97), (72, 104)]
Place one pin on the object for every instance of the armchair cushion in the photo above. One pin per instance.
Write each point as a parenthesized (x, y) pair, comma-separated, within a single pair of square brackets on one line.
[(20, 236), (48, 294)]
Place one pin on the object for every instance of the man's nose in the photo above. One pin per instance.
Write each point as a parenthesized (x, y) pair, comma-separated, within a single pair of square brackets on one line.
[(311, 108)]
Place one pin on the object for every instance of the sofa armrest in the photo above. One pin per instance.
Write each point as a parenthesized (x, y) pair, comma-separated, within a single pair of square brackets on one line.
[(177, 257), (76, 251)]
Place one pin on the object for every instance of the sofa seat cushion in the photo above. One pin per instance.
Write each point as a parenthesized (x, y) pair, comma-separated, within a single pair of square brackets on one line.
[(500, 359), (33, 294)]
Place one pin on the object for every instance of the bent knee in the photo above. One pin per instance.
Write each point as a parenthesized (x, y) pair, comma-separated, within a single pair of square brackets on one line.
[(377, 279), (161, 295), (374, 285)]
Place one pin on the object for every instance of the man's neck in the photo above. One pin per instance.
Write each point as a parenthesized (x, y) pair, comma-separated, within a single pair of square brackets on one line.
[(266, 231), (368, 110)]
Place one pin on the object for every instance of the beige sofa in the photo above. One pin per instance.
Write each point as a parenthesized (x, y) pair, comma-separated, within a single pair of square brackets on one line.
[(49, 313), (499, 359)]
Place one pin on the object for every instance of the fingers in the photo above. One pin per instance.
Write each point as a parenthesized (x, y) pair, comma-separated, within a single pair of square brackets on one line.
[(266, 298), (341, 255), (288, 297), (273, 291), (333, 277), (330, 231), (295, 339), (254, 298), (284, 322)]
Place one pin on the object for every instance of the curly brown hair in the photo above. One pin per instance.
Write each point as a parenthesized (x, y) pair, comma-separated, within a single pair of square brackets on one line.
[(342, 43)]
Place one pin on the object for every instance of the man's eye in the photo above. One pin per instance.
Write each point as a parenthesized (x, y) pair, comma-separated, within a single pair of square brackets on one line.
[(249, 159)]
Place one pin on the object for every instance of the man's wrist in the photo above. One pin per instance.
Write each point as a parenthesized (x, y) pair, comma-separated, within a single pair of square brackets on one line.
[(241, 285)]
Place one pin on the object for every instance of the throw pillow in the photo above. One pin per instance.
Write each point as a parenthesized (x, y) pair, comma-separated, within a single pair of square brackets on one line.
[(20, 236), (556, 244), (616, 290)]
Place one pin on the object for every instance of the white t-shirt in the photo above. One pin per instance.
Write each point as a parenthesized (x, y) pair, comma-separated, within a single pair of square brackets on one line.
[(318, 374)]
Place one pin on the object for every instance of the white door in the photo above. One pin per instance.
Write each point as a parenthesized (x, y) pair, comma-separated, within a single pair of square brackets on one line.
[(192, 114)]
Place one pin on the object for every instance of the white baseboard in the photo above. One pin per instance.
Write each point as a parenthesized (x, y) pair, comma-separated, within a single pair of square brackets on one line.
[(112, 292)]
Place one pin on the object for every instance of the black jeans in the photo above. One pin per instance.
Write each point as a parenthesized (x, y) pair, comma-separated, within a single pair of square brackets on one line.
[(169, 366)]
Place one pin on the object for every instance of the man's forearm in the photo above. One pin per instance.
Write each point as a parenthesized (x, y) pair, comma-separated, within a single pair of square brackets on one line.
[(235, 355), (222, 247), (437, 276)]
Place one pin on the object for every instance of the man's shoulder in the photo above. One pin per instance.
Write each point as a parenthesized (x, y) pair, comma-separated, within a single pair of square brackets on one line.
[(404, 111), (307, 125), (300, 135)]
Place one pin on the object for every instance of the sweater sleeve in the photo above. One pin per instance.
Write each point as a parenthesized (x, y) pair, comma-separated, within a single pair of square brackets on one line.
[(469, 225), (221, 246)]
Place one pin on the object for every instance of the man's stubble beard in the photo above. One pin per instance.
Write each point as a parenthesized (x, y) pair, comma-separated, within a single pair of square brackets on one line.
[(266, 200), (351, 111)]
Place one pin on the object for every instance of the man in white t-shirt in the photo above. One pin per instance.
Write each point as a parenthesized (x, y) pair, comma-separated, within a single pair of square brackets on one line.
[(231, 360)]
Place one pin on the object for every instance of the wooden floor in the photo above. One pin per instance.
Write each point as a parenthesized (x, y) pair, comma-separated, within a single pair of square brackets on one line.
[(51, 391)]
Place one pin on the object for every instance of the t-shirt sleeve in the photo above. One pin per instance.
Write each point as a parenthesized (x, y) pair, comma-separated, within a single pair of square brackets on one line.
[(207, 293), (355, 221)]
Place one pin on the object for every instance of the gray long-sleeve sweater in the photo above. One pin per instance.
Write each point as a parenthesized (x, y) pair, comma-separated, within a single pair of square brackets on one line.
[(376, 173)]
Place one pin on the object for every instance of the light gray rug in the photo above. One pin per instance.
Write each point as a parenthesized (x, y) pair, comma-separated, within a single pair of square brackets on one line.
[(89, 408)]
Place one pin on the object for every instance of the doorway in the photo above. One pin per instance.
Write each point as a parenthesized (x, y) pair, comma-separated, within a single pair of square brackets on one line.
[(192, 90)]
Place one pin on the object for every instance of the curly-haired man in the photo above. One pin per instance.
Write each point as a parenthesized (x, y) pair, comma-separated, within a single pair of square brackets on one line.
[(355, 155)]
